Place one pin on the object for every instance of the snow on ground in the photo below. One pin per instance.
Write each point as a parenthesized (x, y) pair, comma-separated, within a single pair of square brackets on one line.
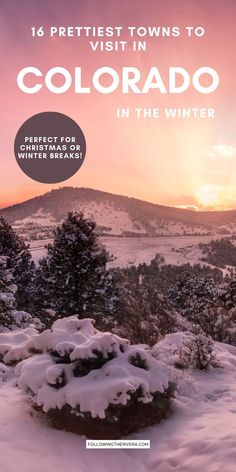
[(27, 445), (132, 251), (40, 218), (114, 219), (200, 435)]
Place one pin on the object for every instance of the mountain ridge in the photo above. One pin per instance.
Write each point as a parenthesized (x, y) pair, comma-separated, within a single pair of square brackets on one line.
[(117, 214)]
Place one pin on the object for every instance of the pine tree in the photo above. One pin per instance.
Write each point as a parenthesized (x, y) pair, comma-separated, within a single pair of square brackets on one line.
[(72, 278), (192, 294), (10, 317), (7, 290), (19, 261)]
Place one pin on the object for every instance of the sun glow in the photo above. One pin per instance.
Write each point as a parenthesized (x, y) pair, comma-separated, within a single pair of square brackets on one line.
[(210, 196)]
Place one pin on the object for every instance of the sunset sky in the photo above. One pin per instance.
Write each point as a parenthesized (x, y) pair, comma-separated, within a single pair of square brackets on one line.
[(172, 162)]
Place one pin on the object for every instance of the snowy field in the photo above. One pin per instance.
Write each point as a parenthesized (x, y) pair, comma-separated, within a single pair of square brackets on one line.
[(132, 251), (200, 435)]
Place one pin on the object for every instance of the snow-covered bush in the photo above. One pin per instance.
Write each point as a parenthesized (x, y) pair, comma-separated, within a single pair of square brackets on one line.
[(22, 320), (92, 382), (12, 345), (186, 351)]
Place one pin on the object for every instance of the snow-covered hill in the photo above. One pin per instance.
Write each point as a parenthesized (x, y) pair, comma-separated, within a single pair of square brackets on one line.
[(114, 215)]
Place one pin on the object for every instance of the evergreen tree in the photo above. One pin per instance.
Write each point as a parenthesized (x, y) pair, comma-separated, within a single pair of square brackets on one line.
[(7, 290), (72, 278), (228, 296), (192, 294), (144, 312), (19, 261), (10, 318)]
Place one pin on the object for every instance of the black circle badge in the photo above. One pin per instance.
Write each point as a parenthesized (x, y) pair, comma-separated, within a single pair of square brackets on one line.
[(50, 147)]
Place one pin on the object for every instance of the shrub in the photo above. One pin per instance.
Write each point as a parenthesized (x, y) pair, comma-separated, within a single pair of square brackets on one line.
[(197, 353), (186, 351), (93, 383)]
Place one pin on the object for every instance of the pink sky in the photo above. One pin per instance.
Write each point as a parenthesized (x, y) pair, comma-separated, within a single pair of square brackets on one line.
[(178, 162)]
